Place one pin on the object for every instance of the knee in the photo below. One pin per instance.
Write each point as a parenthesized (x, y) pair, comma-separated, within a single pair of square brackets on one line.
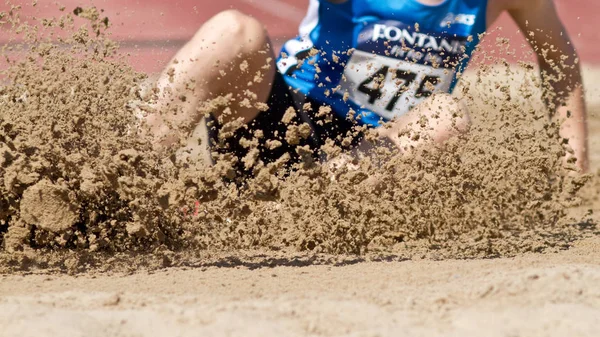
[(462, 117), (452, 111), (244, 30)]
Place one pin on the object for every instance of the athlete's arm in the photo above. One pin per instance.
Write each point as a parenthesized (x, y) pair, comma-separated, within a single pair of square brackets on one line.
[(559, 69)]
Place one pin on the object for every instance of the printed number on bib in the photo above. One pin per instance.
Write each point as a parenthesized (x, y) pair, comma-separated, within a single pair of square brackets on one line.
[(391, 87)]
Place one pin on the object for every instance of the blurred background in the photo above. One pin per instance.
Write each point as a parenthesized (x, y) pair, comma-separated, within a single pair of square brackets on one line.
[(151, 31)]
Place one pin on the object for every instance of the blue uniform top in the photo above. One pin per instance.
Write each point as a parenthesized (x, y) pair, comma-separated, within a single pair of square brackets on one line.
[(376, 59)]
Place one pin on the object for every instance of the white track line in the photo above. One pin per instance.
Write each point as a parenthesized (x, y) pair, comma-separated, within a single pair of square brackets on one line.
[(278, 8)]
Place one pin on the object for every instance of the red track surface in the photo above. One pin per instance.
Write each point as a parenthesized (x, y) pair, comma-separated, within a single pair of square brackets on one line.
[(152, 30)]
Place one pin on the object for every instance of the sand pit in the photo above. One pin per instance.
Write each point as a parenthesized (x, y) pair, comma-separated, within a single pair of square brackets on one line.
[(102, 235), (532, 295)]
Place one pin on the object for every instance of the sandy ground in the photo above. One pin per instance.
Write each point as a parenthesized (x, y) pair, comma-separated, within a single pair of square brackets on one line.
[(533, 295), (530, 295)]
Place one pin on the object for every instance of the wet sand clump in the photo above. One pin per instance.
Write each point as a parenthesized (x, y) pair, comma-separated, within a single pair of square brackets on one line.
[(79, 181)]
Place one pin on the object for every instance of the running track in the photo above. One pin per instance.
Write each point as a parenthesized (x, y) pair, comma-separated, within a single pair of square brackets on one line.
[(152, 30)]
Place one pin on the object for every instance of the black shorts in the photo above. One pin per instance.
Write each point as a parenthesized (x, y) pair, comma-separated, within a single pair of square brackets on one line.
[(330, 126)]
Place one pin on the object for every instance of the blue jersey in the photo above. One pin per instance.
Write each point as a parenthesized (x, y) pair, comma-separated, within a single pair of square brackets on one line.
[(374, 60)]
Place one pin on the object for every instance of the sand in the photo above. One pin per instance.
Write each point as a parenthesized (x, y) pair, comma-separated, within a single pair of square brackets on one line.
[(491, 234), (530, 295)]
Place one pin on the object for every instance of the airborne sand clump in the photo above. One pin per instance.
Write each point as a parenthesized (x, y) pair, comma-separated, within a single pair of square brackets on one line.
[(48, 206), (78, 178)]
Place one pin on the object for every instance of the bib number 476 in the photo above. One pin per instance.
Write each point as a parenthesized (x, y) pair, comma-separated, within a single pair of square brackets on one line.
[(391, 87), (373, 85)]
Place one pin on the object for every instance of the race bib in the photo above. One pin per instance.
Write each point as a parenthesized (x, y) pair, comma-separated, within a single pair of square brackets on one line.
[(394, 67)]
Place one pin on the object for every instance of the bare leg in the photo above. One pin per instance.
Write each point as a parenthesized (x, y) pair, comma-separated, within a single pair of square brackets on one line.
[(230, 54), (432, 122), (435, 120)]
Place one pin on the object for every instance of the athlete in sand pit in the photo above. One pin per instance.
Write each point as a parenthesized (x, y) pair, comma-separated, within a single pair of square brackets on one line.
[(369, 61)]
